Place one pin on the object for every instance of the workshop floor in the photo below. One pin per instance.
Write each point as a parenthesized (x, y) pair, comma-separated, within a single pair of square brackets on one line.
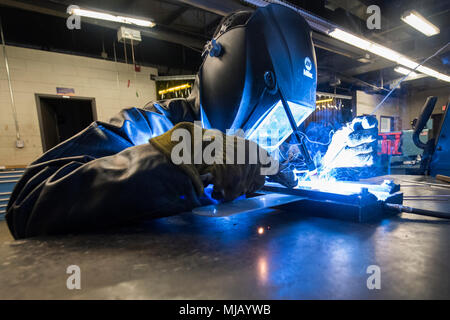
[(195, 257)]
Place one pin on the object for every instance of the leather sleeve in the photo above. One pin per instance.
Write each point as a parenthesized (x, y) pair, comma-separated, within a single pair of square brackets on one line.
[(79, 194), (108, 174)]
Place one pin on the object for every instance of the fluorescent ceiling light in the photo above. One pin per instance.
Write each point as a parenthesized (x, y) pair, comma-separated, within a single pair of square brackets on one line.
[(417, 21), (433, 73), (405, 71), (111, 17), (350, 39), (177, 88), (411, 74), (407, 62), (385, 53), (324, 100)]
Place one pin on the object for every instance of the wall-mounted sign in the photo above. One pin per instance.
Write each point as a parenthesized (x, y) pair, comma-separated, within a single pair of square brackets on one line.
[(65, 91)]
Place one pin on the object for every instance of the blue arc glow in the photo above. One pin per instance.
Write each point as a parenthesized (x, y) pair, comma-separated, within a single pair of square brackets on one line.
[(346, 150), (274, 127), (381, 191)]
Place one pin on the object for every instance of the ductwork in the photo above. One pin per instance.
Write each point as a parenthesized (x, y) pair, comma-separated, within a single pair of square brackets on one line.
[(219, 7), (223, 7)]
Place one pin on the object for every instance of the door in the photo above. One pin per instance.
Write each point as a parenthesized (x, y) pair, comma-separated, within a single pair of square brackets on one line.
[(61, 118)]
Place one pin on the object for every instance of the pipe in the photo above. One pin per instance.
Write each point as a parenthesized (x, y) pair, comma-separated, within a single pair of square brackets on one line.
[(190, 42), (315, 22), (333, 95), (219, 7), (19, 143), (223, 8)]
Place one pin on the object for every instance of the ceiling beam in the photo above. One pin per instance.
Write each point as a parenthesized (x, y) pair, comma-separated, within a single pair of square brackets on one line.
[(174, 15), (213, 24), (219, 7), (155, 33)]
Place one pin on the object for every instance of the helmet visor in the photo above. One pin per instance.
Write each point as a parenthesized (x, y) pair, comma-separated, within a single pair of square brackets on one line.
[(273, 127)]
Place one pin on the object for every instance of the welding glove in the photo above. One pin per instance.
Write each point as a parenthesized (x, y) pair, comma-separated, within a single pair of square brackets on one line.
[(233, 165), (353, 146), (285, 176)]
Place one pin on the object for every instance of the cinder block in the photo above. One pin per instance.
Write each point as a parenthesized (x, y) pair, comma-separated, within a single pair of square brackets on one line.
[(40, 72)]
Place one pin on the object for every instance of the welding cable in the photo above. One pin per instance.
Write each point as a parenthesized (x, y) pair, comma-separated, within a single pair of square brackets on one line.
[(423, 212), (427, 196), (406, 76), (430, 184), (330, 134)]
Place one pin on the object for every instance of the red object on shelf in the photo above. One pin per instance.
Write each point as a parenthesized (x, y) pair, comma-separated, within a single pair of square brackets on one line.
[(390, 142)]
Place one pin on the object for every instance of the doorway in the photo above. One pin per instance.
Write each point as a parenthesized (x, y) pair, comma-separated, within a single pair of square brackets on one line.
[(62, 117)]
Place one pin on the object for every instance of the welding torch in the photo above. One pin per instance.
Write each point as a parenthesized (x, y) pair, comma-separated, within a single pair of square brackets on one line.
[(298, 137)]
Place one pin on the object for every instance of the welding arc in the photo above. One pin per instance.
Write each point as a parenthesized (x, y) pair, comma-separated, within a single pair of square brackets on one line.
[(422, 212), (330, 135)]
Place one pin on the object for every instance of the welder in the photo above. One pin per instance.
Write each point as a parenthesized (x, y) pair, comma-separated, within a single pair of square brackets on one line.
[(119, 172)]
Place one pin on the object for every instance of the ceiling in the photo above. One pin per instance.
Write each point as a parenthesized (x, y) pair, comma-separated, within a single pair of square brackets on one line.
[(183, 26)]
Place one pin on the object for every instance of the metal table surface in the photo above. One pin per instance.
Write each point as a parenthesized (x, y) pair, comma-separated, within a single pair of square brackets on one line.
[(195, 257)]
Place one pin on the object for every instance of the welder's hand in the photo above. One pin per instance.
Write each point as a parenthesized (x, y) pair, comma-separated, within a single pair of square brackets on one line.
[(233, 165), (232, 180), (285, 176), (354, 145)]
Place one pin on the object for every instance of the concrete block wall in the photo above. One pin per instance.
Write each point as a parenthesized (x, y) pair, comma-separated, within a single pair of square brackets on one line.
[(366, 103), (404, 109), (40, 72)]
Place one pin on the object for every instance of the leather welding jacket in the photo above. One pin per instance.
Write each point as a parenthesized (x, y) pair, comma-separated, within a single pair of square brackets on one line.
[(106, 175)]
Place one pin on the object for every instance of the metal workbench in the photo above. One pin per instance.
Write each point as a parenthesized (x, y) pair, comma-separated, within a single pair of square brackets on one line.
[(298, 256)]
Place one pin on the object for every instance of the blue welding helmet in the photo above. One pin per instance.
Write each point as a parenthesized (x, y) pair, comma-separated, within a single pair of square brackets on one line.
[(254, 59)]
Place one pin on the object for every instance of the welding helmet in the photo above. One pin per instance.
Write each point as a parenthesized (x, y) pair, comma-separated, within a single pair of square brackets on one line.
[(255, 60)]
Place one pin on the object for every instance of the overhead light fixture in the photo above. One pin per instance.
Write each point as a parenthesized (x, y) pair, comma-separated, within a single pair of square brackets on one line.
[(405, 71), (407, 62), (418, 22), (433, 73), (385, 53), (324, 100), (411, 74), (177, 88), (110, 17), (350, 38), (363, 60)]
